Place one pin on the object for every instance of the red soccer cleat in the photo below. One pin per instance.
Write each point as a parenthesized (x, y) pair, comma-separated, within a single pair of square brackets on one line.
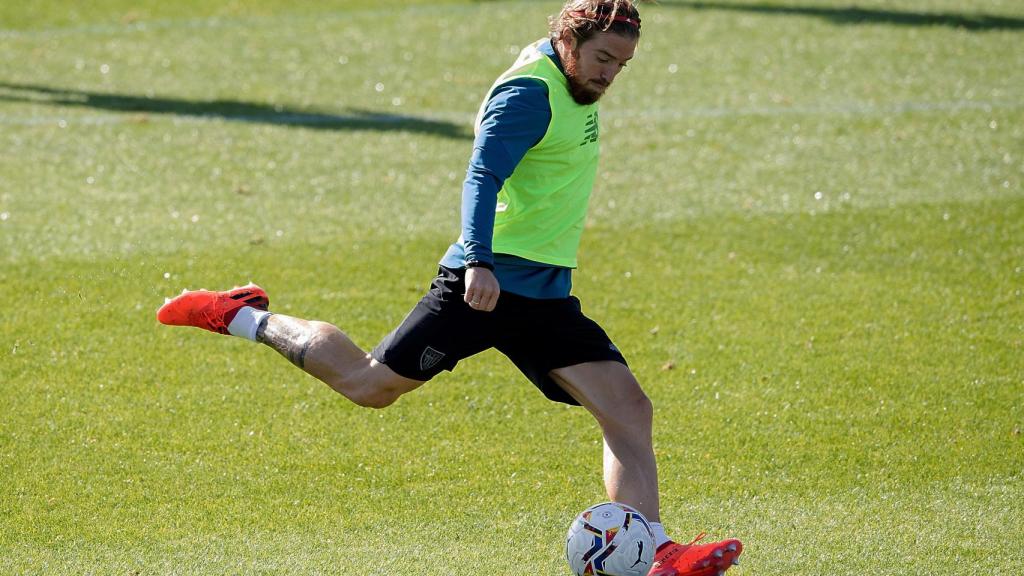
[(208, 310), (674, 559)]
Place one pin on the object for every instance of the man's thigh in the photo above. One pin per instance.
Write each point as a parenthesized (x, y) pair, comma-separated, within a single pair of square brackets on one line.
[(603, 387), (542, 336)]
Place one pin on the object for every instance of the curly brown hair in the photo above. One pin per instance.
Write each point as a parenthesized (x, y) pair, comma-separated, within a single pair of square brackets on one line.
[(585, 18)]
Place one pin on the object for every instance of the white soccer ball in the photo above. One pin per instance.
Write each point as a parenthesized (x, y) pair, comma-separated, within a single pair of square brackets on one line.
[(610, 539)]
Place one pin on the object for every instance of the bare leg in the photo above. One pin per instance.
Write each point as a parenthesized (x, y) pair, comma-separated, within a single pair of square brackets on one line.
[(326, 353), (611, 393)]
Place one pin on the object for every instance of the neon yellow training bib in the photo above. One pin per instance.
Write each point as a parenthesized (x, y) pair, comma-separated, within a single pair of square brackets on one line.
[(542, 207)]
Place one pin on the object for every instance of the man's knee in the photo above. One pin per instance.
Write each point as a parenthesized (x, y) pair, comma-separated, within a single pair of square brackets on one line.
[(376, 397), (375, 386), (609, 390), (636, 406), (630, 407)]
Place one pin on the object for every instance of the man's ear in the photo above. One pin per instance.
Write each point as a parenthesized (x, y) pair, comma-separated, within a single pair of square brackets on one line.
[(568, 41)]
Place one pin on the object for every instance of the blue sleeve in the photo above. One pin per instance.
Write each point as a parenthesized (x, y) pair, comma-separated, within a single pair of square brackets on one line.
[(515, 120)]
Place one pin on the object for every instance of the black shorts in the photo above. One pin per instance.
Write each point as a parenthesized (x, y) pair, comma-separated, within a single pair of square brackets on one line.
[(537, 335)]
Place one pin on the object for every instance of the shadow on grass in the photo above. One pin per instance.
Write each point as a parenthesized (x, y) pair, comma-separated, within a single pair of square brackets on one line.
[(852, 15), (231, 110)]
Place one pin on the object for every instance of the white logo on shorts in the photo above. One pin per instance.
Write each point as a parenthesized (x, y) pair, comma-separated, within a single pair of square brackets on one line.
[(430, 358)]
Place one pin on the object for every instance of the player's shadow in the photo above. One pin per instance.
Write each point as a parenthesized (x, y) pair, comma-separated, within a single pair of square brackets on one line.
[(853, 15), (231, 110)]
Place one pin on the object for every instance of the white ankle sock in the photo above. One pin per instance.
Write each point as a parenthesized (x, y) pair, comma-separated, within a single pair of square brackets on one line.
[(247, 320), (659, 534)]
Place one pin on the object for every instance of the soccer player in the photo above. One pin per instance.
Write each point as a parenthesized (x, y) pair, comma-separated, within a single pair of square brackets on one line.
[(505, 283)]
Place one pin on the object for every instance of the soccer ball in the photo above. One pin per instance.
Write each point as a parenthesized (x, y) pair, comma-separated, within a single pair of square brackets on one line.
[(610, 539)]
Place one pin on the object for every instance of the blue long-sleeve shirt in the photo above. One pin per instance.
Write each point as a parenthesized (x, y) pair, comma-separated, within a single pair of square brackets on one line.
[(515, 119)]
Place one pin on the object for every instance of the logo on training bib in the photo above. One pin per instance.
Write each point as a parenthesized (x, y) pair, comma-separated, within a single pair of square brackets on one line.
[(430, 358), (590, 133)]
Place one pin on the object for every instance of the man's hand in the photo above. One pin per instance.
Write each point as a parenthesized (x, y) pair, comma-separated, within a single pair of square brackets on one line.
[(482, 289)]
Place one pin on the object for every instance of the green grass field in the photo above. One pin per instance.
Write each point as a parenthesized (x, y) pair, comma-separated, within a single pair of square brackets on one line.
[(807, 237)]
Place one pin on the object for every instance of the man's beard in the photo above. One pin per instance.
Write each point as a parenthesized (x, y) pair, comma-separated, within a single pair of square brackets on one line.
[(580, 91)]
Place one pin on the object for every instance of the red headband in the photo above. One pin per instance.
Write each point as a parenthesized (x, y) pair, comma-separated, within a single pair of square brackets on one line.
[(631, 21)]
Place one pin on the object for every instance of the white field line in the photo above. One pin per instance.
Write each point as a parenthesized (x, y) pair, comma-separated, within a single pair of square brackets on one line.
[(852, 109)]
